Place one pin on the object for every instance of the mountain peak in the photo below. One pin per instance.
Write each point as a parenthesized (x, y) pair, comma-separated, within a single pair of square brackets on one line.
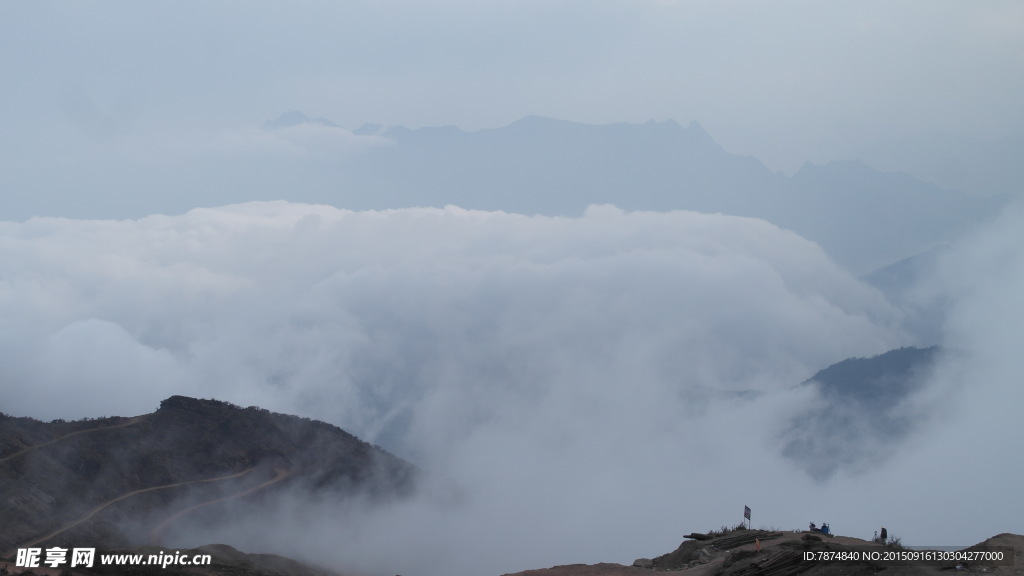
[(295, 118), (162, 461), (697, 133)]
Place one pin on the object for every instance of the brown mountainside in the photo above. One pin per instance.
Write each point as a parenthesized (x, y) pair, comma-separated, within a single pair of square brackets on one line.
[(774, 553), (119, 482)]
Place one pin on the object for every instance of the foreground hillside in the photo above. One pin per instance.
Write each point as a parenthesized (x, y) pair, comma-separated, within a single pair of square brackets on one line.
[(129, 482), (736, 553), (134, 486)]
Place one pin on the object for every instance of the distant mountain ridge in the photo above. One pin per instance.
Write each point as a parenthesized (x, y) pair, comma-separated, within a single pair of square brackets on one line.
[(908, 285), (862, 217), (973, 165), (295, 118)]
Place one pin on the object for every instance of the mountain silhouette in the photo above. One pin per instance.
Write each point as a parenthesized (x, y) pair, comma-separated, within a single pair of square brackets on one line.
[(862, 217), (121, 482), (861, 416)]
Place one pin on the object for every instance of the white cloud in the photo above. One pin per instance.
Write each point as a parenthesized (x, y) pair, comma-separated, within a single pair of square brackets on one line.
[(82, 363), (955, 482), (573, 374)]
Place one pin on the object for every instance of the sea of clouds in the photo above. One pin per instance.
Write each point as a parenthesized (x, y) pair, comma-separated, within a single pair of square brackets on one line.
[(595, 386)]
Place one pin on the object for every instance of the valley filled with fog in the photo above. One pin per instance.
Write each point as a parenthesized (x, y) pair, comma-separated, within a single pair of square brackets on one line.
[(602, 381), (592, 328)]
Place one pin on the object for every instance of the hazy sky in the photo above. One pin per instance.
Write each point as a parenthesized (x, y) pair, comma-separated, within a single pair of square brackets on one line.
[(786, 81), (560, 368)]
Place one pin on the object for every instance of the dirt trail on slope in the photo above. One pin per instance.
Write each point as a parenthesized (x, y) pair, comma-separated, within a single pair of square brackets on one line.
[(130, 422), (104, 505), (154, 536)]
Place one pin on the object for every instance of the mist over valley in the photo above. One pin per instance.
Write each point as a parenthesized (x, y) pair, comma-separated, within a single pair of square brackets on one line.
[(451, 289)]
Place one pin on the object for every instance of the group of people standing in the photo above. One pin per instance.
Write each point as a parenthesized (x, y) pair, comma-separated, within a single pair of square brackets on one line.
[(824, 528)]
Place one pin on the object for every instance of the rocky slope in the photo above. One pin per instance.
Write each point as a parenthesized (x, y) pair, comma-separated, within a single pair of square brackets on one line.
[(783, 554), (122, 482)]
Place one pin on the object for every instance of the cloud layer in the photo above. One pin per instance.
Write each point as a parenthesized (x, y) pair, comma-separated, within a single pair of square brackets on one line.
[(535, 360), (266, 299), (593, 387)]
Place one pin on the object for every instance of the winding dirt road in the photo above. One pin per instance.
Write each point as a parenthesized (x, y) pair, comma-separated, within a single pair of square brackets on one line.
[(154, 537), (280, 474), (129, 422), (100, 507)]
